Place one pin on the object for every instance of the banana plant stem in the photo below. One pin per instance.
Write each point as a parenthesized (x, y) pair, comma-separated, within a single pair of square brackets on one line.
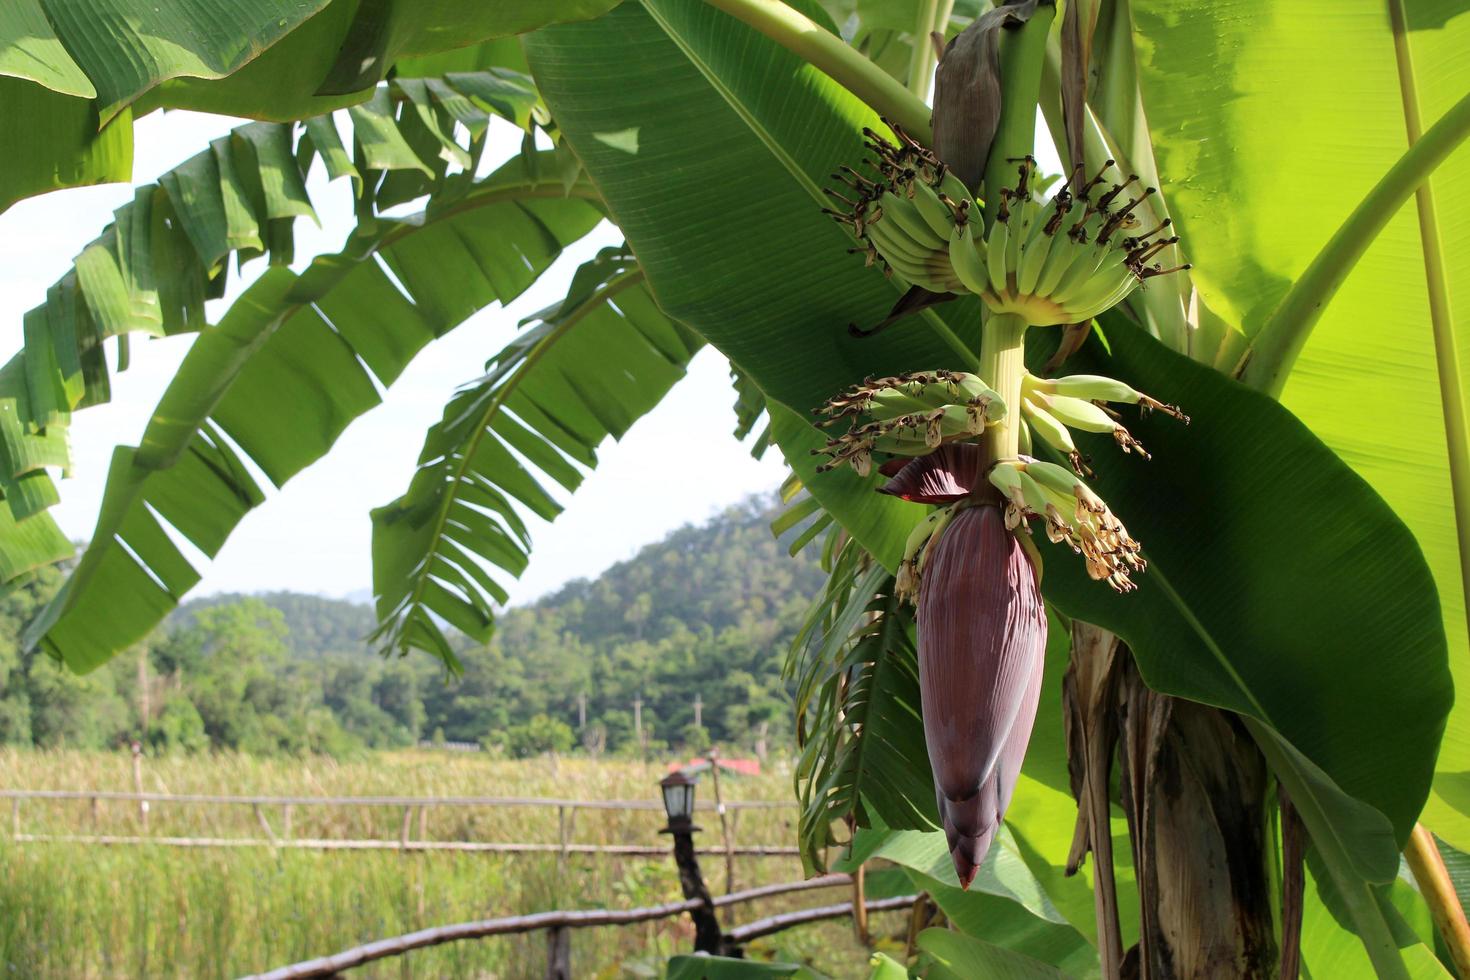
[(1002, 366), (1270, 358), (834, 57), (1434, 883), (1022, 56), (921, 63)]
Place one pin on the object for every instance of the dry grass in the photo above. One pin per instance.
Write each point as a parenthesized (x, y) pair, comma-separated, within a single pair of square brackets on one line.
[(71, 910)]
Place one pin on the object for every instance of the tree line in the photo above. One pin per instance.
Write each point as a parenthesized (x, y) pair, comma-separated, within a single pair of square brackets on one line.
[(694, 625)]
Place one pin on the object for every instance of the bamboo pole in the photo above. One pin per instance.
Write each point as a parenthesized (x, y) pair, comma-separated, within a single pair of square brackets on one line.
[(565, 920)]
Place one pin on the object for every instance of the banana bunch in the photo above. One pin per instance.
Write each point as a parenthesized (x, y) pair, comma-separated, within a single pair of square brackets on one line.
[(1051, 407), (1072, 514), (905, 216), (1062, 261), (1059, 261), (910, 415)]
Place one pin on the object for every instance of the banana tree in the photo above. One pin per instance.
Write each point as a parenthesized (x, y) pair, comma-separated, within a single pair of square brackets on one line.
[(1286, 646)]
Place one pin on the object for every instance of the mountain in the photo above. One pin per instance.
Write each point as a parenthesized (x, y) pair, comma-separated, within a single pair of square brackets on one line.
[(697, 623)]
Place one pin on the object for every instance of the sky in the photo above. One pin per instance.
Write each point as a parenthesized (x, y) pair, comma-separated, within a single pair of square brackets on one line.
[(314, 534)]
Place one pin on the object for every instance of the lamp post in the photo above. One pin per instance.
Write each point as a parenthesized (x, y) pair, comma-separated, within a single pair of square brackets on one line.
[(678, 793)]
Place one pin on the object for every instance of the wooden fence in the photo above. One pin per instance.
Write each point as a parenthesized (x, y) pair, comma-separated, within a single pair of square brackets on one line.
[(412, 834), (559, 925)]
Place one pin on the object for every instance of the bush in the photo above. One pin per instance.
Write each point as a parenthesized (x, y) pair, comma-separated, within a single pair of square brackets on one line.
[(540, 734), (177, 728)]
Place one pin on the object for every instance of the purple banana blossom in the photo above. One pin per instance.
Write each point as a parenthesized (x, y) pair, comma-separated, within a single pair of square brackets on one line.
[(982, 644), (952, 472)]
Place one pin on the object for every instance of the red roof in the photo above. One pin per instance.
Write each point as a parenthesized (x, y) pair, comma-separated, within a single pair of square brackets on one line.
[(738, 767)]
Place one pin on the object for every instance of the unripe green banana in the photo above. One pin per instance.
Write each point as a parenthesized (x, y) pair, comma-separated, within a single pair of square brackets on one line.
[(892, 242), (965, 258), (1063, 255), (890, 403), (915, 549), (902, 445), (995, 257), (1078, 272), (1006, 478), (902, 211), (1034, 256), (1023, 219), (1023, 440), (1031, 492), (1093, 387), (1092, 306), (1046, 425), (943, 518), (954, 188), (936, 213), (1100, 284), (1053, 477), (1078, 414)]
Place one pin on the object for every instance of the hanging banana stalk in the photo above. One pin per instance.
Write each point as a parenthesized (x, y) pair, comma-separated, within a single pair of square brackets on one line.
[(955, 441)]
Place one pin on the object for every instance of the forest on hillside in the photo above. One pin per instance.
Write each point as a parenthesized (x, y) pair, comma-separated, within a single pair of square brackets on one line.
[(705, 616)]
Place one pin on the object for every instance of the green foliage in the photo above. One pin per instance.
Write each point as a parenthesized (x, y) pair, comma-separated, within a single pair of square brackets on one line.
[(282, 381), (67, 68), (591, 367), (537, 737), (1381, 342), (283, 673)]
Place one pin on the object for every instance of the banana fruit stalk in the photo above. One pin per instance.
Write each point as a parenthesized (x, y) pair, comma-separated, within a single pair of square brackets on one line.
[(982, 645)]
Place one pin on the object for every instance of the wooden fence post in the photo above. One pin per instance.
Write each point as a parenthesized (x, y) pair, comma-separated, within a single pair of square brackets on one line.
[(138, 783), (265, 825), (558, 953), (561, 836), (403, 831), (286, 821), (726, 835)]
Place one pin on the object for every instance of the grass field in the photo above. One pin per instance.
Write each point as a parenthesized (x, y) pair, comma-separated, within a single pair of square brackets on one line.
[(72, 910)]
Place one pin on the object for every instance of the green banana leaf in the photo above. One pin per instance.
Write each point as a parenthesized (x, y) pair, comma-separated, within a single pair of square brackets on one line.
[(857, 705), (295, 360), (956, 956), (1006, 904), (64, 143), (1270, 121), (734, 139), (591, 367), (168, 250), (70, 66)]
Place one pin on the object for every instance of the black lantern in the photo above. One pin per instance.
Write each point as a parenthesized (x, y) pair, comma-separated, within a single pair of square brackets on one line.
[(678, 790)]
